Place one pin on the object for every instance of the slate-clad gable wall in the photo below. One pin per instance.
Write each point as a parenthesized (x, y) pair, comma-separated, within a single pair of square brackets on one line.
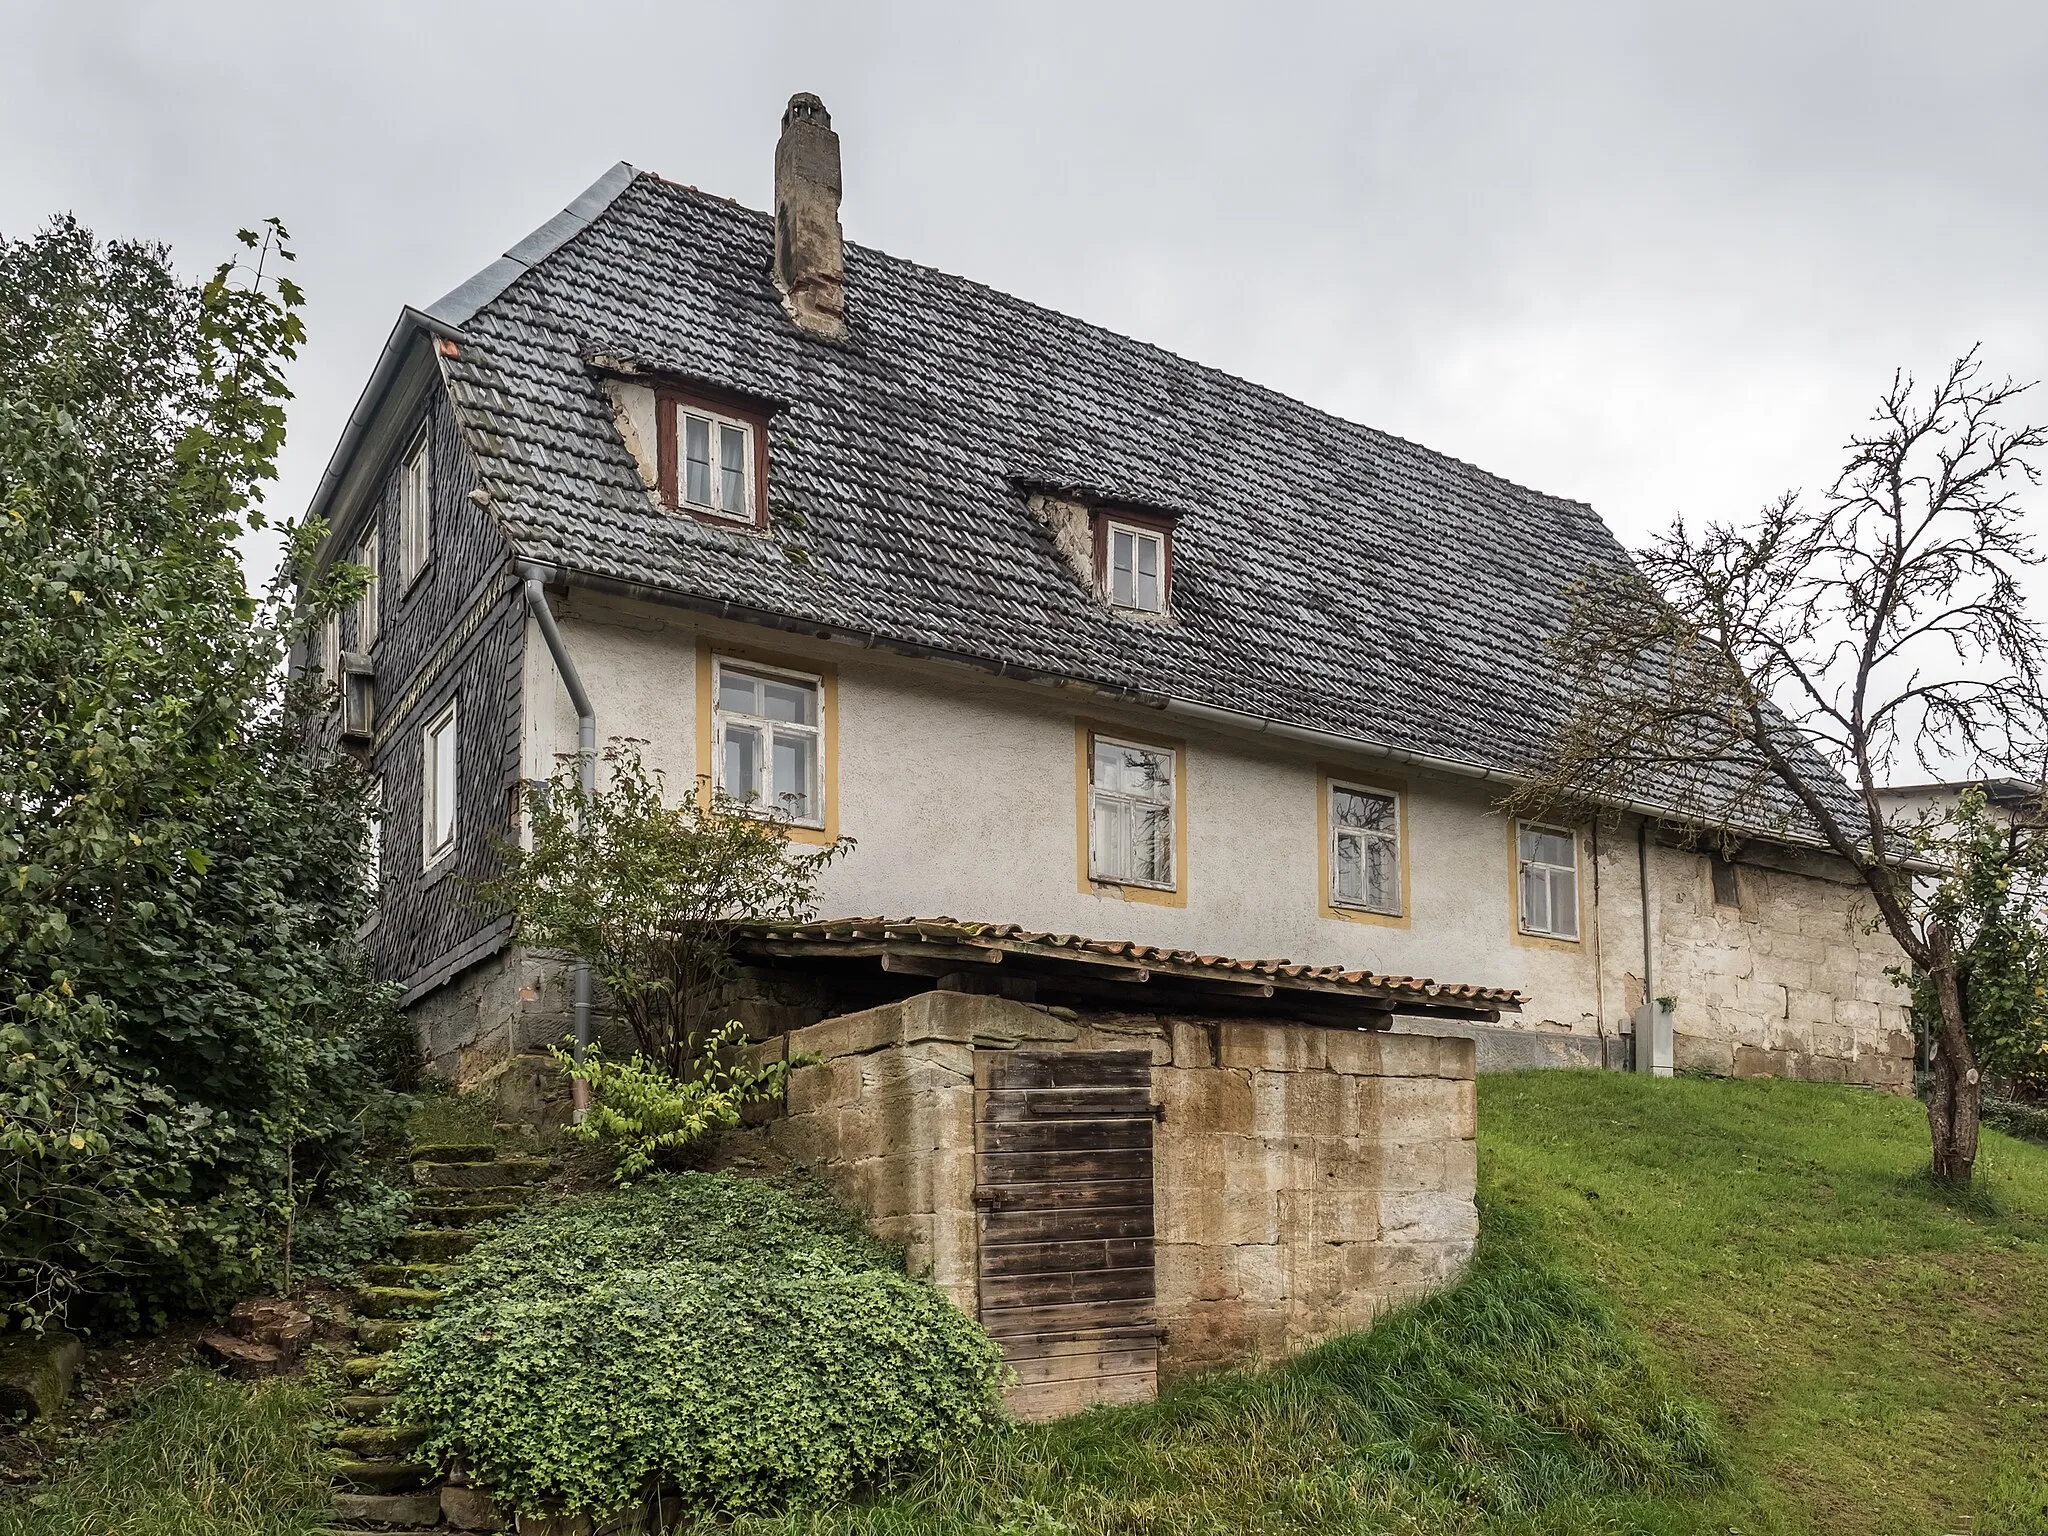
[(457, 633)]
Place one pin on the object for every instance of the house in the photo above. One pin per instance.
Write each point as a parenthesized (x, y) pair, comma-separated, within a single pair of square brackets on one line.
[(1067, 631)]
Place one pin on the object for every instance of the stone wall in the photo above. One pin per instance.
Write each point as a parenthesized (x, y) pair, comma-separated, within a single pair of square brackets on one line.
[(1305, 1178), (1789, 982)]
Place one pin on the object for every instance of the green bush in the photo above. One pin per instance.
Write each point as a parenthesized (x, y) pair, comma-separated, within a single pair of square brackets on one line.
[(645, 1117), (748, 1348)]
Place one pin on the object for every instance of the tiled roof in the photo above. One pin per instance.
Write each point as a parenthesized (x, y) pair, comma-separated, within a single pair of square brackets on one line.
[(1327, 576), (947, 935)]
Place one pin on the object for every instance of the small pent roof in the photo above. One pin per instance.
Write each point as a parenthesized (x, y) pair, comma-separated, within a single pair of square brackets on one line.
[(1139, 977)]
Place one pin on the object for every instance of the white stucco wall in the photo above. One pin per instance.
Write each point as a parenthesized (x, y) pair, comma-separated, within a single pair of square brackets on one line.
[(961, 793)]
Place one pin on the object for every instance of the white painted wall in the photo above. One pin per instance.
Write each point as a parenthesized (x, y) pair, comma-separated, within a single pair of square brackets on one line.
[(960, 790)]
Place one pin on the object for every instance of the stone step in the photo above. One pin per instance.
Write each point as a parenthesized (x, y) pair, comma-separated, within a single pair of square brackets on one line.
[(362, 1475), (461, 1215), (435, 1245), (379, 1335), (377, 1441), (483, 1194), (394, 1301), (416, 1509), (455, 1152), (425, 1276), (365, 1407), (503, 1170), (365, 1368)]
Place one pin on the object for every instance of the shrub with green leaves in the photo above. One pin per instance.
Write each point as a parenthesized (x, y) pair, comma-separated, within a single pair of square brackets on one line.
[(645, 1117), (745, 1347)]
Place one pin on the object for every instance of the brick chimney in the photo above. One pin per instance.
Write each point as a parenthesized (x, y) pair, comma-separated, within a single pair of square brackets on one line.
[(810, 256)]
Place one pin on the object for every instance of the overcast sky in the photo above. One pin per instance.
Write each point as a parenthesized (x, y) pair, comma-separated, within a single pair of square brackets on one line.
[(1657, 256)]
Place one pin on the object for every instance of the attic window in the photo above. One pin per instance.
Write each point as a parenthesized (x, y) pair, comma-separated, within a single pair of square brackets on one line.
[(712, 460), (1133, 561)]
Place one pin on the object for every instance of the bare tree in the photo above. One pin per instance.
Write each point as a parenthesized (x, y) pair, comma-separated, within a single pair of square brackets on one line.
[(1735, 678)]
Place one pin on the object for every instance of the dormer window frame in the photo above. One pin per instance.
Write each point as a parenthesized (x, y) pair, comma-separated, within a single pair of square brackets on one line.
[(674, 410), (1141, 527)]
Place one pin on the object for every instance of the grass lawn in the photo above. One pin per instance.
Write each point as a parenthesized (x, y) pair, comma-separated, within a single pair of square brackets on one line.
[(1867, 1355)]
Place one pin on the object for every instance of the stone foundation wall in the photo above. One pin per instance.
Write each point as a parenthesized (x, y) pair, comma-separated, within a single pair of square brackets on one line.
[(1305, 1179)]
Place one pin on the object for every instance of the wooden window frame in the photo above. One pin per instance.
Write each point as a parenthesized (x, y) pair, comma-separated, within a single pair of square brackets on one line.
[(416, 509), (1329, 781), (708, 743), (719, 716), (1086, 734), (1521, 932), (668, 403), (433, 854), (369, 619), (1106, 520), (1721, 870)]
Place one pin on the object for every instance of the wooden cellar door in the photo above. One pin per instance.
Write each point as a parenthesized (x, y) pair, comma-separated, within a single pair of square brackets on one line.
[(1063, 1180)]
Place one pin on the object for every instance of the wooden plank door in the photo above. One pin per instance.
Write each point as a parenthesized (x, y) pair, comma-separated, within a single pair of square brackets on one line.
[(1063, 1175)]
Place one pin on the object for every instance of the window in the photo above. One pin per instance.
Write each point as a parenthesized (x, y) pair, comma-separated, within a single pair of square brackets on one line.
[(1365, 849), (1549, 892), (707, 462), (373, 851), (365, 610), (415, 512), (1136, 567), (330, 650), (437, 787), (1130, 814), (767, 741), (1727, 887)]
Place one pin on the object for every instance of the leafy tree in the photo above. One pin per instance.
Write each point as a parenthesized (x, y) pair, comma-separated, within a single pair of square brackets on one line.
[(184, 1017), (1735, 676), (651, 894)]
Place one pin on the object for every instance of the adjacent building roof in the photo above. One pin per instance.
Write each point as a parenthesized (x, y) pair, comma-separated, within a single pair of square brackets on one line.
[(1328, 577), (1144, 977)]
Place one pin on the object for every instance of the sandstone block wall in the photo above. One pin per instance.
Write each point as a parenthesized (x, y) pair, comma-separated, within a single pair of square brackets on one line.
[(1305, 1179)]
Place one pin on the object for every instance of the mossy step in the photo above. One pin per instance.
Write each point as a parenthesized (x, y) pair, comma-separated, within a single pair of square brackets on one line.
[(426, 1276), (483, 1194), (381, 1476), (503, 1170), (378, 1335), (369, 1440), (365, 1407), (394, 1300), (365, 1368), (454, 1152), (428, 1244), (461, 1215)]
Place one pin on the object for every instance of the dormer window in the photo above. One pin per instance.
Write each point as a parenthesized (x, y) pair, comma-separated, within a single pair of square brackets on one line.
[(1137, 568), (711, 461)]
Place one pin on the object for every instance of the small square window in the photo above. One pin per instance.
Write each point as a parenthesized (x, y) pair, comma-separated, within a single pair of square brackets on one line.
[(1549, 881), (1135, 559), (1130, 813), (438, 787), (1365, 849), (415, 511), (768, 742)]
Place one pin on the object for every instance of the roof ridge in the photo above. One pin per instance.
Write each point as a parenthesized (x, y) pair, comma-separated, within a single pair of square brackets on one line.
[(457, 306)]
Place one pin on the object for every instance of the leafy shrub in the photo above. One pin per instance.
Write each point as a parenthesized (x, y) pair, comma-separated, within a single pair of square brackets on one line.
[(645, 1117), (746, 1347)]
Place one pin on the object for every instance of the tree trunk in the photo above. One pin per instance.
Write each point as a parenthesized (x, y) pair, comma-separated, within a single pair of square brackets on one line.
[(1956, 1103)]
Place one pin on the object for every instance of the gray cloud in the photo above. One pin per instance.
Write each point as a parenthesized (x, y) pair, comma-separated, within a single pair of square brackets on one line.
[(1657, 257)]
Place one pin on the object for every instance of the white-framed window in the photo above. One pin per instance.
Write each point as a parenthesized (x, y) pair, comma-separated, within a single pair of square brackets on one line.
[(437, 787), (768, 739), (1130, 813), (330, 650), (1365, 849), (715, 464), (1135, 559), (365, 609), (1549, 866), (373, 859), (415, 510)]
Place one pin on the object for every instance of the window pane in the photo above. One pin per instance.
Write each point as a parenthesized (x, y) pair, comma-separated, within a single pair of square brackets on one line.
[(1121, 587), (796, 761), (1350, 870), (1106, 842), (1382, 875), (793, 703), (741, 768), (738, 693), (1152, 845), (1543, 847), (444, 785), (1535, 901), (1564, 903), (1148, 573), (1147, 774), (732, 469), (1353, 808), (697, 461)]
